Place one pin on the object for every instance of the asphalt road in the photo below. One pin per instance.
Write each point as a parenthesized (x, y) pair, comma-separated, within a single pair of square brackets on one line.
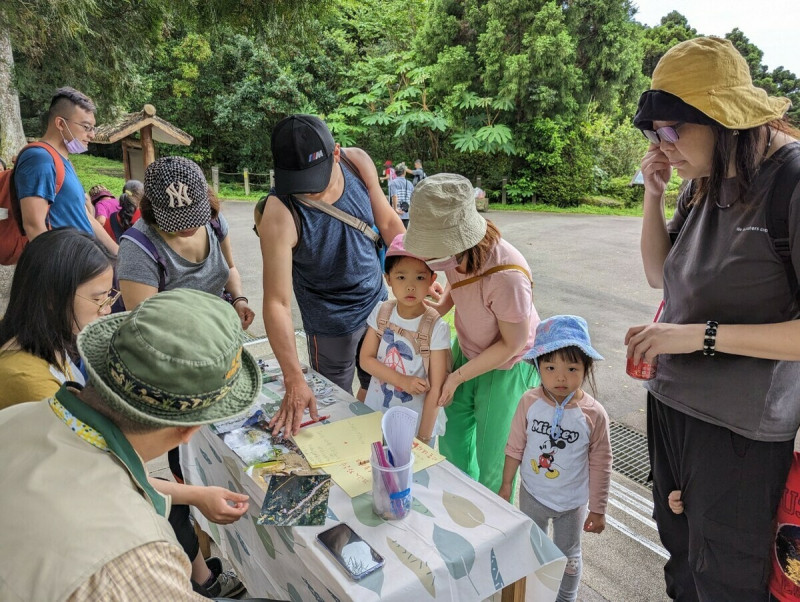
[(588, 266)]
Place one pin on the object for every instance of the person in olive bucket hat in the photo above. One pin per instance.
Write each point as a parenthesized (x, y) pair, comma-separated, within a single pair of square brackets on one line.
[(722, 409), (79, 512)]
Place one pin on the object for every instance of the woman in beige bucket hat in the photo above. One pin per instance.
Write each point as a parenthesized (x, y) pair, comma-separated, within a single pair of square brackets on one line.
[(723, 408), (489, 282)]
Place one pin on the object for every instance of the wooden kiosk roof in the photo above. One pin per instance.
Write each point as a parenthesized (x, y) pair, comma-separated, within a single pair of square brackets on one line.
[(162, 131)]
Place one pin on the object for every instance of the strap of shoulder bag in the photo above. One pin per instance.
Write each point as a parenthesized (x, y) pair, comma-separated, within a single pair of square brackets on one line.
[(495, 269), (343, 216)]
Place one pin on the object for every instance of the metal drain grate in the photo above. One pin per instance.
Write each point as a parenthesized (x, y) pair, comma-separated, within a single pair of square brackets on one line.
[(630, 453)]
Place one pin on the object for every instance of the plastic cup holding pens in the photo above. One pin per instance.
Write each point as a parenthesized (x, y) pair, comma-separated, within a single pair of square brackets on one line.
[(644, 370), (391, 490)]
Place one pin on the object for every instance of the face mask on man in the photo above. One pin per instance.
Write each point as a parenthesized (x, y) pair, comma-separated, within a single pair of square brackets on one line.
[(443, 264), (74, 146)]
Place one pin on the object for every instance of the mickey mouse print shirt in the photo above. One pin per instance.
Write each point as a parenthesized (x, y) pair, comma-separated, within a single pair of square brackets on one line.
[(566, 472)]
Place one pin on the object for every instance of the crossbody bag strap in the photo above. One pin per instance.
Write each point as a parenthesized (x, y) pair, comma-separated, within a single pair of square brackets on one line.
[(495, 269), (344, 217)]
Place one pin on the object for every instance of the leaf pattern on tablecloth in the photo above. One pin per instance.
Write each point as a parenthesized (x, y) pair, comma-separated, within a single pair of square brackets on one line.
[(294, 595), (463, 512), (288, 538), (216, 455), (234, 545), (334, 596), (331, 514), (420, 507), (422, 477), (241, 543), (550, 574), (373, 581), (496, 576), (418, 566), (359, 408), (214, 532), (362, 508), (317, 597), (205, 456), (233, 470), (202, 473), (457, 553), (265, 537), (537, 542)]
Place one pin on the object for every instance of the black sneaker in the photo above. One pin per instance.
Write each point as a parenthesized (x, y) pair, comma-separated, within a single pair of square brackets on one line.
[(226, 584)]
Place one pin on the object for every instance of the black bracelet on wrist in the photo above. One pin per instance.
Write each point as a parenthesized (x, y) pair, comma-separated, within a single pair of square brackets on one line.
[(246, 300), (710, 340)]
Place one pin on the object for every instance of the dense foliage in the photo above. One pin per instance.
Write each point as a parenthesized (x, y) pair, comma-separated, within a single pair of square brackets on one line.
[(538, 92)]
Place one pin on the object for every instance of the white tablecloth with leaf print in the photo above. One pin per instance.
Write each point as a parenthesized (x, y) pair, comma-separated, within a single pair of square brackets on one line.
[(461, 542)]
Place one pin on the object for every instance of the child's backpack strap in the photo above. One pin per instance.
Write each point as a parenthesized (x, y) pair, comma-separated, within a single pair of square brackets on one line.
[(424, 335), (140, 239), (384, 313)]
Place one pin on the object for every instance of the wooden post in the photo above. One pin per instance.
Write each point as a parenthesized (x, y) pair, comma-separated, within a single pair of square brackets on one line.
[(246, 181), (271, 179), (126, 161), (215, 178), (148, 150), (503, 198)]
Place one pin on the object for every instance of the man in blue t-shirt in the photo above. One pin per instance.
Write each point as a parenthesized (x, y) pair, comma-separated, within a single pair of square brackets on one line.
[(400, 191), (70, 128)]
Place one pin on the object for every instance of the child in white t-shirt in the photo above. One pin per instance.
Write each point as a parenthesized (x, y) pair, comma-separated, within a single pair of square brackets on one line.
[(398, 345), (560, 442)]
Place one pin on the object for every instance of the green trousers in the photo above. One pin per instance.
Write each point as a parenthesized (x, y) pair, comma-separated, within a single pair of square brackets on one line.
[(479, 419)]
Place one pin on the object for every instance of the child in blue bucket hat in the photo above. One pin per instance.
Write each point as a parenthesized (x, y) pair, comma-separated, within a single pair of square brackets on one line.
[(560, 441)]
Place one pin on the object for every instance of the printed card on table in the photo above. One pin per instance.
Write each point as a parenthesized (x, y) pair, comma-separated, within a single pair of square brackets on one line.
[(341, 440)]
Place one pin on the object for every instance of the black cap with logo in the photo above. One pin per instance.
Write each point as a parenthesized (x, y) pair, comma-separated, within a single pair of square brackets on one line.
[(302, 149)]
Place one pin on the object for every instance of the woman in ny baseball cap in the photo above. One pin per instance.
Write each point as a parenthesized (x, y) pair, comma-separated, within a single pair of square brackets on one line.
[(181, 241)]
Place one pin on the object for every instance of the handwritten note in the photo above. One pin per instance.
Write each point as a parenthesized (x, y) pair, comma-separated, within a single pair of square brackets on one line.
[(339, 441), (355, 476)]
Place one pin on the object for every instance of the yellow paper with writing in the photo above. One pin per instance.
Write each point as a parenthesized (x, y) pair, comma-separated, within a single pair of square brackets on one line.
[(355, 476), (341, 440)]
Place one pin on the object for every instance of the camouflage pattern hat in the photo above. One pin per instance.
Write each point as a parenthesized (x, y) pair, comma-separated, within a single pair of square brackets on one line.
[(175, 360)]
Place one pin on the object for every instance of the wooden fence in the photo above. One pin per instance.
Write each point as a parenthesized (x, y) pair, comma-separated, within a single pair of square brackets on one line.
[(245, 175)]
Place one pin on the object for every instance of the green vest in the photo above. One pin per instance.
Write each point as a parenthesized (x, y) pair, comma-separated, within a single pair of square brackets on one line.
[(68, 507)]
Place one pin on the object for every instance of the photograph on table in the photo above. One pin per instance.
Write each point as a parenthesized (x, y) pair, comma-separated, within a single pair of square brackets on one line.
[(296, 500)]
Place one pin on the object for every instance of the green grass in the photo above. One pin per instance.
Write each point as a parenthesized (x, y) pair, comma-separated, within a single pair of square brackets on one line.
[(580, 209), (98, 170), (111, 174)]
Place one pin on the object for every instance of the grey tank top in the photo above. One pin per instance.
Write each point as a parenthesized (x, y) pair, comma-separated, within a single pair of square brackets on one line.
[(336, 273)]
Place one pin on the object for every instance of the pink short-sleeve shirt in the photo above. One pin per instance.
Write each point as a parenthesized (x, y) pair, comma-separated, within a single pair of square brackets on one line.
[(506, 296), (106, 207)]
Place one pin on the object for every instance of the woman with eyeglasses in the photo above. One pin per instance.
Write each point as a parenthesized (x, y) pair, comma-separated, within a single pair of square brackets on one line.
[(61, 283), (724, 406)]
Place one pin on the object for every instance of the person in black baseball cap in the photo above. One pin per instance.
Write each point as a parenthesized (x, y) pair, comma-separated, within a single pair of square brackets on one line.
[(332, 266), (302, 148)]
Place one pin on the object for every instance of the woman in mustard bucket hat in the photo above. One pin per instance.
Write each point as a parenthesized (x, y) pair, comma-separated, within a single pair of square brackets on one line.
[(723, 408), (489, 283)]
